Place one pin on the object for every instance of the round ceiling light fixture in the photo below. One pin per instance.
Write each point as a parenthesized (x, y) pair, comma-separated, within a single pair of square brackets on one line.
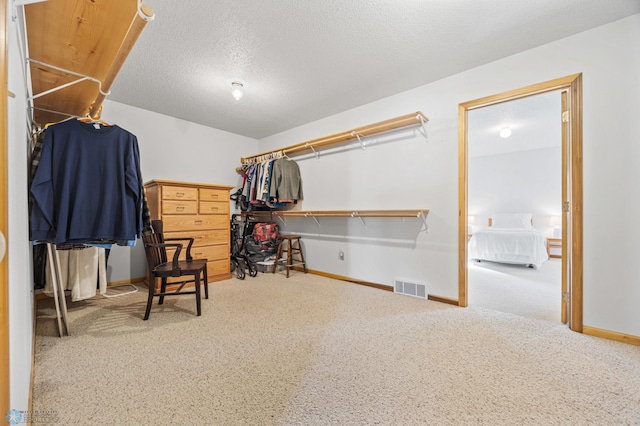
[(237, 90), (505, 132)]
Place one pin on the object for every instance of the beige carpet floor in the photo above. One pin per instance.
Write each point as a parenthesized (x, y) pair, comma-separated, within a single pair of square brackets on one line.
[(314, 351), (533, 293)]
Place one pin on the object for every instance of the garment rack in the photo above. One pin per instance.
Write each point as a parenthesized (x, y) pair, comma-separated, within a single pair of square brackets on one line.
[(416, 118), (72, 71)]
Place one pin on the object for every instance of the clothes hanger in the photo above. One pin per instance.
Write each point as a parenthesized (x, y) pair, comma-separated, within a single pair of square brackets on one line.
[(95, 119), (46, 126)]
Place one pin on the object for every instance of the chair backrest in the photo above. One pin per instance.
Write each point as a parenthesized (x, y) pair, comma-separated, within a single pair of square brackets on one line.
[(155, 255)]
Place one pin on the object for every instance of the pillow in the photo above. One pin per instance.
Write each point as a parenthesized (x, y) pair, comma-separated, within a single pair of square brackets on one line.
[(511, 220)]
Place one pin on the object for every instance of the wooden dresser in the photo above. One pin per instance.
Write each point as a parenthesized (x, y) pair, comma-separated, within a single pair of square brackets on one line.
[(196, 210)]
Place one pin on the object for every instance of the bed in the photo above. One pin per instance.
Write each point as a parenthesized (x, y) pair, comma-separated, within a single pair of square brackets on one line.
[(510, 238)]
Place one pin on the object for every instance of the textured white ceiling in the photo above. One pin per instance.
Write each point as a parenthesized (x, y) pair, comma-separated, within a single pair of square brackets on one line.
[(302, 60)]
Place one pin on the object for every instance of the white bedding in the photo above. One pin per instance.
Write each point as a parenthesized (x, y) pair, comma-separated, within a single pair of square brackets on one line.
[(506, 245)]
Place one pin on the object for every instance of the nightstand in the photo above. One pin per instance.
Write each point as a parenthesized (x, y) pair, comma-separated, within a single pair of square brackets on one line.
[(554, 244)]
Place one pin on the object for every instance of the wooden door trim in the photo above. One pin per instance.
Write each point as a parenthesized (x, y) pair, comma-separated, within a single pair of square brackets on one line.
[(574, 170), (4, 264), (564, 305)]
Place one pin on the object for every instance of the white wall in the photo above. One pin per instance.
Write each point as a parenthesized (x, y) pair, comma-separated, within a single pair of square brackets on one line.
[(20, 270), (174, 149), (406, 173), (413, 173), (524, 181)]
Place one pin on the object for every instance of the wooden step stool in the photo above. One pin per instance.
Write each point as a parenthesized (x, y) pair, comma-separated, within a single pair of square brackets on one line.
[(292, 247)]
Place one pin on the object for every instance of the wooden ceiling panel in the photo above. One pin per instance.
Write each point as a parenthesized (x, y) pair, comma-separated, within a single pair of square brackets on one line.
[(88, 37)]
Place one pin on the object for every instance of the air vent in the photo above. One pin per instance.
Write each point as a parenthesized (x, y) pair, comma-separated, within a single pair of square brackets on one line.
[(409, 288)]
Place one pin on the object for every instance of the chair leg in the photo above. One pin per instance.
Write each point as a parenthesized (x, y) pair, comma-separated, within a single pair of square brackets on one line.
[(304, 264), (206, 282), (163, 289), (197, 284), (152, 288), (289, 256)]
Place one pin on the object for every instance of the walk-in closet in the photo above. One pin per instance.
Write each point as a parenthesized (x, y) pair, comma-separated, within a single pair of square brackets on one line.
[(272, 213)]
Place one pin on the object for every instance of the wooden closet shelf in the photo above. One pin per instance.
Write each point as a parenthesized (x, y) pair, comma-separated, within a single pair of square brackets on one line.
[(76, 49), (337, 138), (343, 213)]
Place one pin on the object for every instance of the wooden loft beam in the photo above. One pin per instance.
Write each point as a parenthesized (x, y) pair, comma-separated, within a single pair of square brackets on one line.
[(337, 138)]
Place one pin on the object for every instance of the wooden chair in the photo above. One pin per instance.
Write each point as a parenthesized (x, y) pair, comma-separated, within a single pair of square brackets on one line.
[(155, 246)]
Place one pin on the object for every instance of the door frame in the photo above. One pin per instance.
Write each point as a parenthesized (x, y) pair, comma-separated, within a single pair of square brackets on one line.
[(572, 175), (4, 199)]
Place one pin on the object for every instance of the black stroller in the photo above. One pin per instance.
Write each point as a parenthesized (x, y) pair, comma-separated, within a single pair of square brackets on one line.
[(240, 228)]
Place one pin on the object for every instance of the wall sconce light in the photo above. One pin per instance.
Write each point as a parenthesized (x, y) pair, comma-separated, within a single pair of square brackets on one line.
[(237, 90), (505, 132)]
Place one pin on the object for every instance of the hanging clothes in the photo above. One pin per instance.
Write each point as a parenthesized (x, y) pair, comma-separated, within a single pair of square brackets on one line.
[(80, 272), (271, 184), (87, 187), (39, 250), (286, 182)]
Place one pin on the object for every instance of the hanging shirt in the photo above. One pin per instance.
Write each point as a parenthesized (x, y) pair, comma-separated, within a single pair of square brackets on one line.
[(88, 186), (286, 183)]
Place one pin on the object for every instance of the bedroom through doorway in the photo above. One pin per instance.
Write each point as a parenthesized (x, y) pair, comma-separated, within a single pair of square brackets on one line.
[(514, 156)]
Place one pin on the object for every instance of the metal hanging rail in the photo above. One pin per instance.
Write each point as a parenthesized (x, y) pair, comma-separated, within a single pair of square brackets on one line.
[(416, 118), (315, 214)]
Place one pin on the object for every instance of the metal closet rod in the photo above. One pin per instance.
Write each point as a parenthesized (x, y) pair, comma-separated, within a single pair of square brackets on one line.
[(371, 129), (344, 213)]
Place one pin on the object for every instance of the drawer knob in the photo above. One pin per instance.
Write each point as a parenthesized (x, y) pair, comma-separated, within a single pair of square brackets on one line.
[(215, 209), (179, 194), (180, 208), (198, 222)]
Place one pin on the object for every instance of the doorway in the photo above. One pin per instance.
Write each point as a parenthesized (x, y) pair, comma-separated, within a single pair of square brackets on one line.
[(571, 118), (514, 165)]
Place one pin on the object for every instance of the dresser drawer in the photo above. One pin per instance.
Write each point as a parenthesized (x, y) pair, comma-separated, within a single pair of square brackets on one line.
[(214, 195), (179, 207), (194, 222), (216, 267), (179, 193), (210, 253), (220, 252), (214, 207), (200, 238)]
